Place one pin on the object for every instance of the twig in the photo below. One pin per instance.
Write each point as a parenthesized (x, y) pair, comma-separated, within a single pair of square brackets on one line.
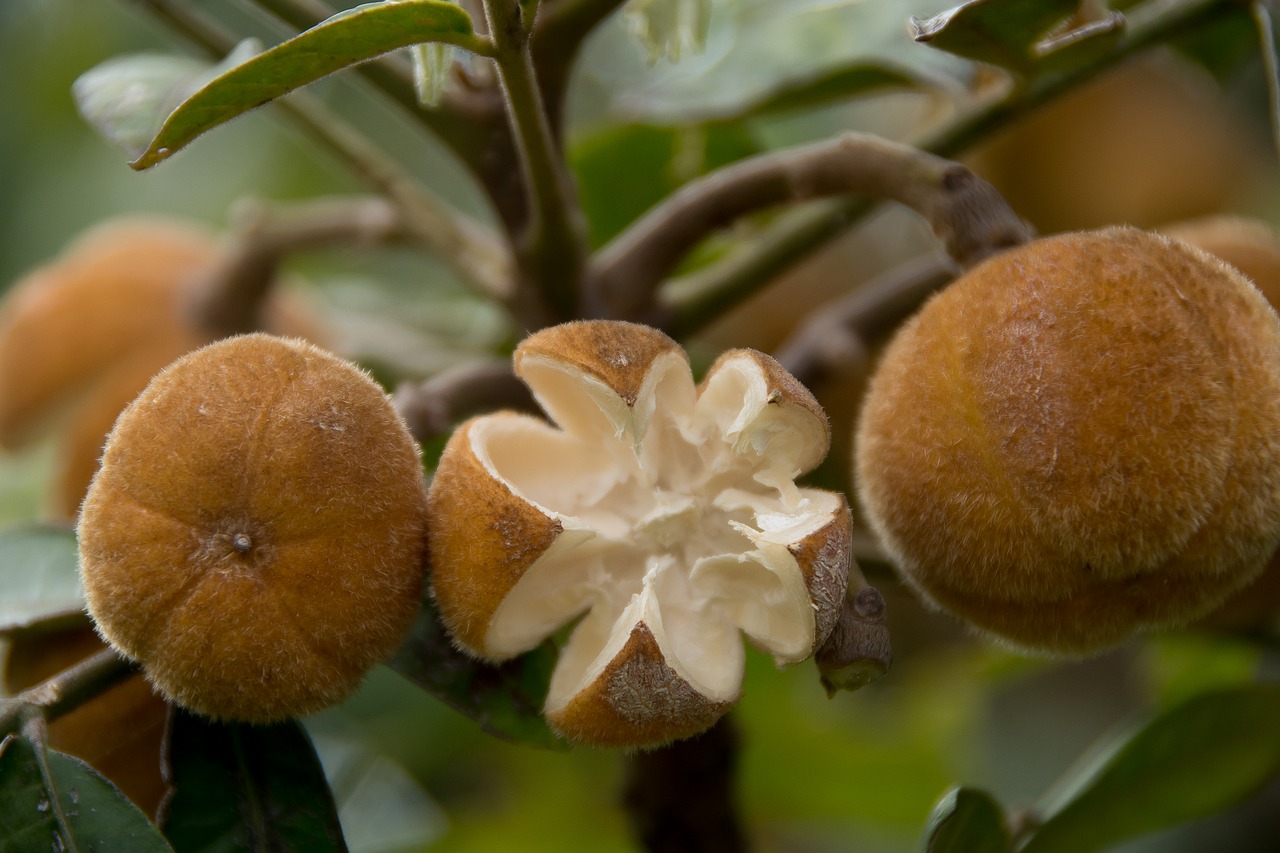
[(65, 691), (702, 296), (434, 407), (680, 798), (966, 212), (230, 297), (836, 334), (859, 650), (460, 242), (552, 248), (558, 35)]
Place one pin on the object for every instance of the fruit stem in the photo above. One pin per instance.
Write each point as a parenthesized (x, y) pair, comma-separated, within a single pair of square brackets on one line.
[(552, 246), (681, 797), (837, 333), (434, 407), (966, 212), (65, 691), (859, 650)]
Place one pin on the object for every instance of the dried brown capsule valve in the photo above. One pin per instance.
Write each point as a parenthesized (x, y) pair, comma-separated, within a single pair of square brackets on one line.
[(665, 515)]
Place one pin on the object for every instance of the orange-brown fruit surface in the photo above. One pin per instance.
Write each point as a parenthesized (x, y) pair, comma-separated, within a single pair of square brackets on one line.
[(119, 732), (255, 535), (1079, 440), (663, 514), (82, 335), (1252, 247)]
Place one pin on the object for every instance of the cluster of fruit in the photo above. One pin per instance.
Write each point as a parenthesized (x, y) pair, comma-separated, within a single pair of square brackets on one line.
[(1076, 441)]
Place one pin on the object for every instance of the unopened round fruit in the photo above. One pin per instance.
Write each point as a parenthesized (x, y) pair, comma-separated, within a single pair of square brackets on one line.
[(255, 535), (1079, 440)]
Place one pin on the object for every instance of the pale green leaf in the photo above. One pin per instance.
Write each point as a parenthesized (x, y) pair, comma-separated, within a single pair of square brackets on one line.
[(39, 575)]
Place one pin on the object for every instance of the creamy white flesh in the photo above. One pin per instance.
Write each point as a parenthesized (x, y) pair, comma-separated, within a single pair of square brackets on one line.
[(677, 512)]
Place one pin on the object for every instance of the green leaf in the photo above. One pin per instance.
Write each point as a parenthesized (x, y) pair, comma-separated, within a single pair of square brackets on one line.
[(967, 820), (1192, 761), (625, 170), (834, 85), (346, 39), (1016, 34), (240, 787), (506, 700), (40, 577), (51, 801), (127, 98)]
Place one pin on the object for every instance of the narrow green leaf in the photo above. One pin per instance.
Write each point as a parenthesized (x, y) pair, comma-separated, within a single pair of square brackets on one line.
[(39, 576), (834, 85), (346, 39), (1264, 19), (1001, 32), (51, 801), (1192, 761), (240, 787), (506, 700), (967, 820)]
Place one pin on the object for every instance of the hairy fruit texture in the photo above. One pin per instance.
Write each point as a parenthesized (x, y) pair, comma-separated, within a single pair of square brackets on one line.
[(1079, 440), (255, 535), (662, 516), (82, 336)]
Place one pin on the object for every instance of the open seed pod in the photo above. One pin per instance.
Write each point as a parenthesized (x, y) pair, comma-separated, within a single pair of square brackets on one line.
[(665, 515)]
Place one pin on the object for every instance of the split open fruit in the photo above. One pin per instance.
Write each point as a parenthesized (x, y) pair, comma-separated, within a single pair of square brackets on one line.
[(663, 514)]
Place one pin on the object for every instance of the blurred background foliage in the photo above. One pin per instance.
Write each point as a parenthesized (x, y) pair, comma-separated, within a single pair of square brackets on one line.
[(1166, 137)]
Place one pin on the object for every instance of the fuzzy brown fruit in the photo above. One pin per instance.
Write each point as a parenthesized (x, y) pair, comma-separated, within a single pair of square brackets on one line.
[(255, 535), (82, 335), (1079, 440), (665, 516)]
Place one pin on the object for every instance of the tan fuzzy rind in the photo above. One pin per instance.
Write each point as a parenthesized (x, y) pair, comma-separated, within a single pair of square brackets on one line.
[(616, 353), (482, 539), (1249, 245), (1079, 439), (110, 289), (637, 699), (255, 537), (824, 558)]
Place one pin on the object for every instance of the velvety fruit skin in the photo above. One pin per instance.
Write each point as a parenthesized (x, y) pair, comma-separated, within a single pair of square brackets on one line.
[(82, 335), (1079, 439), (255, 535)]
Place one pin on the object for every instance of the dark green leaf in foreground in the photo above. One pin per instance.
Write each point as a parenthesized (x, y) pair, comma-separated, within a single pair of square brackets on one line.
[(240, 787), (506, 699), (1196, 759), (51, 801), (243, 83), (39, 577), (1014, 34), (966, 820)]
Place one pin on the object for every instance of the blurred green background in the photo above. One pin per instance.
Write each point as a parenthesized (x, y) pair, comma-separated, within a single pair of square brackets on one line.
[(858, 772)]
